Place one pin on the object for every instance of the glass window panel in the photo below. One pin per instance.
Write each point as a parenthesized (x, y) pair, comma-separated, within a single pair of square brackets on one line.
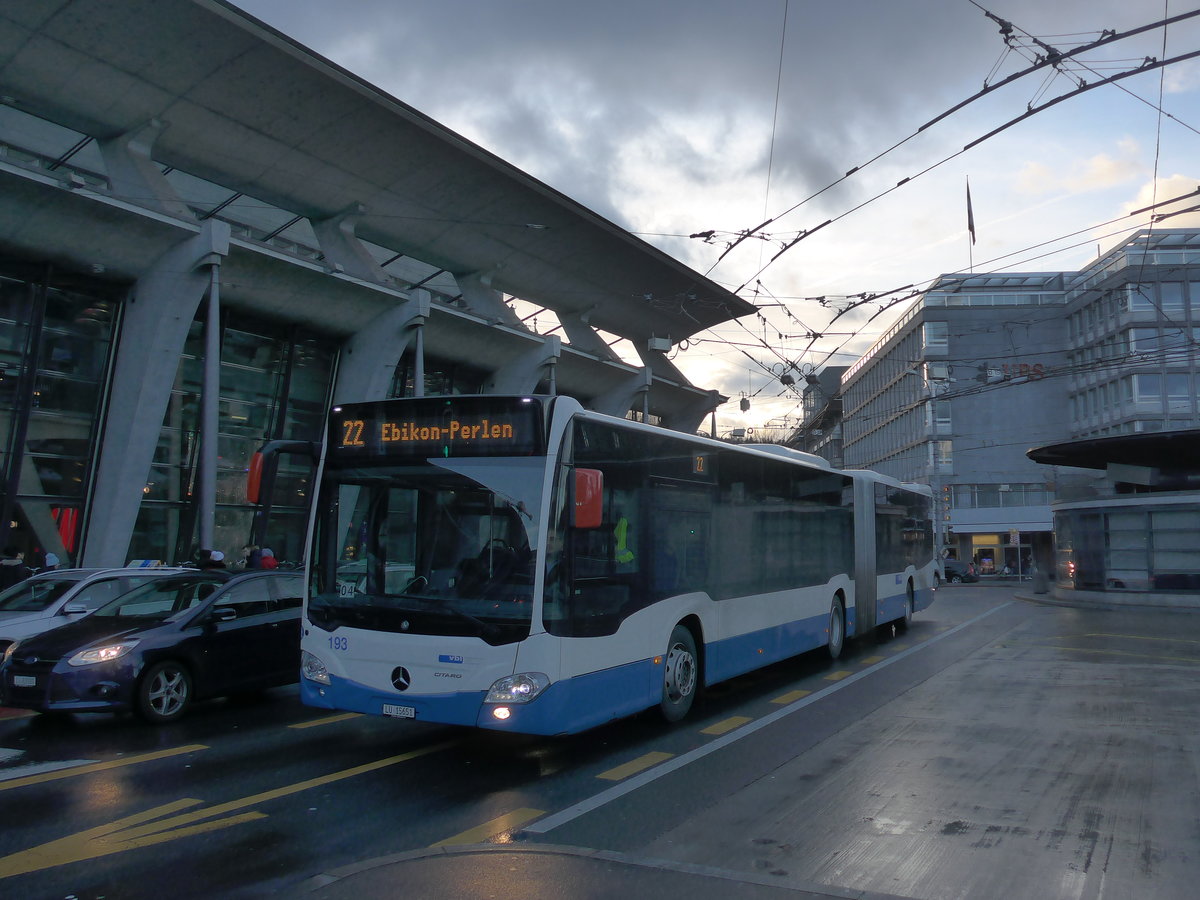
[(1148, 386), (1174, 540), (1140, 297), (1127, 559), (988, 495), (1180, 519), (1171, 293), (1176, 560), (1128, 521)]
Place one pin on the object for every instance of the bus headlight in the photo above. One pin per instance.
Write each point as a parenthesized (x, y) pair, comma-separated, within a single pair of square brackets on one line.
[(312, 668), (517, 688)]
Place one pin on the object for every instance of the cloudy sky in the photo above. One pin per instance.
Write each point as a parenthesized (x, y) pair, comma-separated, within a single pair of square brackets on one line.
[(676, 117)]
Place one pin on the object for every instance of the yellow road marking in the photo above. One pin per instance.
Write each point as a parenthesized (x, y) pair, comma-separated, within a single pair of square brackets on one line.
[(838, 676), (508, 822), (1158, 656), (1143, 637), (328, 720), (791, 697), (634, 766), (89, 768), (140, 829), (871, 660), (728, 725)]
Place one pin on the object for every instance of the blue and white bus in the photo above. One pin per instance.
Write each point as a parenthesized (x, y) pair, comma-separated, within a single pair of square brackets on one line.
[(526, 565)]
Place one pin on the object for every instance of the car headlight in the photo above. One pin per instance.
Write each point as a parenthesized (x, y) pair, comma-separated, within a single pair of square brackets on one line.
[(517, 688), (312, 668), (107, 653), (8, 652)]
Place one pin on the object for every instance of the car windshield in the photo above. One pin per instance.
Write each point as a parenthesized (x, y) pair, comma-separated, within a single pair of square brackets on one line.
[(161, 599), (35, 594)]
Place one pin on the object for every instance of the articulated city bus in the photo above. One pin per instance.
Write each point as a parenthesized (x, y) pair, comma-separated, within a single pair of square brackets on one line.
[(526, 565)]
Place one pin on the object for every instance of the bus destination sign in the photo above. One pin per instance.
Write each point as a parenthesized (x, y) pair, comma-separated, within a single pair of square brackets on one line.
[(446, 427)]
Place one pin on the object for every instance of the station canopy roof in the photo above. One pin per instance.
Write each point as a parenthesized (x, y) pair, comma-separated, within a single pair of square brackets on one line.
[(248, 108), (1165, 450)]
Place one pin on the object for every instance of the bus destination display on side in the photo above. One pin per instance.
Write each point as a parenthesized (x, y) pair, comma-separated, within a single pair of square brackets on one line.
[(437, 426)]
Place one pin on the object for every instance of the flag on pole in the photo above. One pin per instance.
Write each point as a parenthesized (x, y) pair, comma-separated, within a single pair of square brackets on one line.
[(970, 213)]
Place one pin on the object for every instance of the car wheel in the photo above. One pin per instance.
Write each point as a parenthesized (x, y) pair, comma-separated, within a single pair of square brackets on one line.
[(164, 693), (956, 579)]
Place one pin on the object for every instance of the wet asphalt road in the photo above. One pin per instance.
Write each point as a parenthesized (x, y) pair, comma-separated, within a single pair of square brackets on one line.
[(1001, 748)]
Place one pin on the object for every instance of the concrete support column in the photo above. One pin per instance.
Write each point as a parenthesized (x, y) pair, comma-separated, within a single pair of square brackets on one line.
[(343, 250), (482, 300), (368, 359), (135, 177), (206, 474), (584, 337), (625, 396), (522, 374), (689, 418), (154, 330)]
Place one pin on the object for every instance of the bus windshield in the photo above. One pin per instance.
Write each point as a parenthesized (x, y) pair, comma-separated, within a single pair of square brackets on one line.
[(444, 546)]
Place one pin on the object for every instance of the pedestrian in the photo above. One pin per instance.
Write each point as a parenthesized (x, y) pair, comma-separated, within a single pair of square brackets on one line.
[(252, 557), (51, 563), (267, 559), (212, 559), (12, 567)]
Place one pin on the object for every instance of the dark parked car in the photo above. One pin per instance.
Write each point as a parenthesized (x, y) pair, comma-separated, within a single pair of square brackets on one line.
[(958, 572), (161, 646)]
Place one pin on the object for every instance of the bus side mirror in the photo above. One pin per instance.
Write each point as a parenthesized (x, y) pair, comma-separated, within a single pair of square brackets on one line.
[(589, 491)]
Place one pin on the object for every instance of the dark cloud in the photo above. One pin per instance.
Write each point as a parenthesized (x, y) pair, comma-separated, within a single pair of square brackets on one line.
[(559, 88)]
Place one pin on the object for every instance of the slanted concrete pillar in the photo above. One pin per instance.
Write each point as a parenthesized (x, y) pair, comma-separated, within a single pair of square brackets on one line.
[(522, 374), (343, 250), (627, 395), (134, 176), (689, 418), (368, 359), (584, 337), (481, 299), (154, 328)]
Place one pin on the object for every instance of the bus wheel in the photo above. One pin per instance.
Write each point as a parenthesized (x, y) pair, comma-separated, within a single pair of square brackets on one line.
[(902, 624), (679, 675), (837, 629)]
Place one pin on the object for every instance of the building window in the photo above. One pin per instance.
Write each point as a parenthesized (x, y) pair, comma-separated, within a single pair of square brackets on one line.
[(935, 337), (943, 456), (1148, 387), (1171, 293)]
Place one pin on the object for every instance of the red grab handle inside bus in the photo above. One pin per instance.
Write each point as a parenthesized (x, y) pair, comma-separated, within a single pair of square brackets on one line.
[(589, 491)]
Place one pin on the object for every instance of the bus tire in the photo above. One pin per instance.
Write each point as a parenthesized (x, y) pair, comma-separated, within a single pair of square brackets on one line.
[(837, 629), (909, 601), (680, 675)]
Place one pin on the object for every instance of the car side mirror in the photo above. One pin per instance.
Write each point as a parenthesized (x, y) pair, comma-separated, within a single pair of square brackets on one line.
[(224, 614), (74, 609)]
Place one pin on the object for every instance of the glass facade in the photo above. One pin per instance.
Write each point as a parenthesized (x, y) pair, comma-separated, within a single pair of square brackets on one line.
[(56, 335), (1146, 546), (275, 383)]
